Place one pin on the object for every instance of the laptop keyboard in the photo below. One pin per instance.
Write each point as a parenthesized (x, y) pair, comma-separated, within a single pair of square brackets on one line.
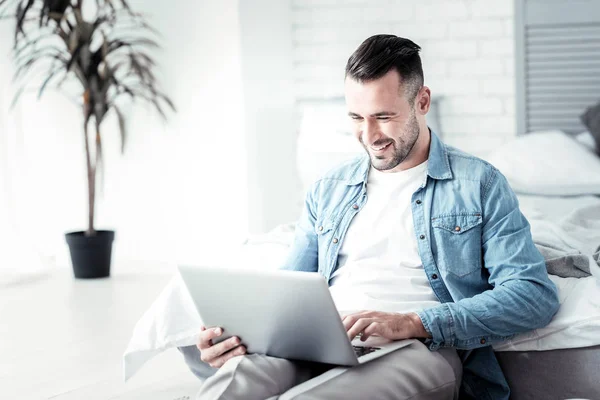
[(364, 350)]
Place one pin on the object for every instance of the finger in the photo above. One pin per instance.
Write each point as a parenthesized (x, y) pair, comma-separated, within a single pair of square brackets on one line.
[(371, 314), (350, 319), (372, 329), (202, 329), (358, 327), (219, 349), (220, 361), (206, 336), (357, 313)]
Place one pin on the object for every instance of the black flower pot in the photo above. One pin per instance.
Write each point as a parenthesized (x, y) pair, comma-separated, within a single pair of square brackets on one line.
[(90, 254)]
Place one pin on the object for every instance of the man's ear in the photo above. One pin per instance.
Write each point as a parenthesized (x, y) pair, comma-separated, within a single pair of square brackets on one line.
[(423, 100)]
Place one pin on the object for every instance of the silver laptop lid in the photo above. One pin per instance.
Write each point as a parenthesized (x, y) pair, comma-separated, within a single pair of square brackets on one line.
[(285, 314)]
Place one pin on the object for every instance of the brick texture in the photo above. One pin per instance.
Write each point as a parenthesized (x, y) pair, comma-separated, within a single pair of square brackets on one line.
[(468, 57)]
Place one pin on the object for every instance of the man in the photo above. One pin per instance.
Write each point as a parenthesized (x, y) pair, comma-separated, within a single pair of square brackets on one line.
[(417, 240)]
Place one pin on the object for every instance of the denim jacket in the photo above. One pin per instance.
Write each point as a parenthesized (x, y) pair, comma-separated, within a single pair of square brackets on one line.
[(476, 249)]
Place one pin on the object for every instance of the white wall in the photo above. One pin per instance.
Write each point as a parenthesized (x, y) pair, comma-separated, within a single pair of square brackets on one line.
[(266, 38), (468, 57), (180, 191), (224, 165)]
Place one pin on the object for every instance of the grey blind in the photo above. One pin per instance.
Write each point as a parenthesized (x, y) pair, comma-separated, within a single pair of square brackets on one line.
[(560, 69)]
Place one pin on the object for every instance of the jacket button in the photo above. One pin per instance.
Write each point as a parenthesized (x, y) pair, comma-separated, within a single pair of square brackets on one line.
[(457, 229), (320, 228), (434, 276), (482, 341), (422, 237), (355, 207), (418, 202), (335, 240)]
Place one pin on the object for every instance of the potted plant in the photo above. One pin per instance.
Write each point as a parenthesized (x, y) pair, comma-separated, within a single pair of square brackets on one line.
[(106, 56)]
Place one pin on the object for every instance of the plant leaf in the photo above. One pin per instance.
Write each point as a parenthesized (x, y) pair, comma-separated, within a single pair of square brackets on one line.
[(52, 74), (16, 97), (21, 14), (24, 68), (122, 127)]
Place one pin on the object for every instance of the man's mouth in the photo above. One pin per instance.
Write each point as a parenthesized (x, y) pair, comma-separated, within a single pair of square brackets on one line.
[(380, 148)]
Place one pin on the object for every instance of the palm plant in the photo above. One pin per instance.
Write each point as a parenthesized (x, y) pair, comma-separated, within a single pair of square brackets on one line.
[(106, 56)]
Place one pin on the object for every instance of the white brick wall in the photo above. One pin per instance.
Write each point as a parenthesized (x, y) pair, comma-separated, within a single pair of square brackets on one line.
[(468, 57)]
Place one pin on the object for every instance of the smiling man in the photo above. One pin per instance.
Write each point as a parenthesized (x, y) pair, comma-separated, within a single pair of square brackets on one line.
[(417, 240)]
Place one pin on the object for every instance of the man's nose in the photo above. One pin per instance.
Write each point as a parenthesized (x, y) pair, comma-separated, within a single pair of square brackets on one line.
[(370, 132)]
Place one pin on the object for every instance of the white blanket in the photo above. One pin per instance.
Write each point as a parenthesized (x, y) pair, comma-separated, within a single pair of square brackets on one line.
[(567, 232)]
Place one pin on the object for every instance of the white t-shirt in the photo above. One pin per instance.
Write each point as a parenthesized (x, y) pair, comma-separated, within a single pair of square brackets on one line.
[(379, 264)]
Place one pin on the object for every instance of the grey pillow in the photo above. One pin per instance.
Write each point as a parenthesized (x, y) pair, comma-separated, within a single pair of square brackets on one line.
[(591, 119)]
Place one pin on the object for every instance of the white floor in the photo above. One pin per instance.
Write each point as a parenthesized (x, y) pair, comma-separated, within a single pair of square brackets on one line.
[(62, 338)]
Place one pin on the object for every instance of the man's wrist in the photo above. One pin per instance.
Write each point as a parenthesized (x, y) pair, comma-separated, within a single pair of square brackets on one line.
[(419, 328)]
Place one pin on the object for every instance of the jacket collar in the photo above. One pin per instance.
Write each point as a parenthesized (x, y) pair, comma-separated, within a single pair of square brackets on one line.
[(438, 166)]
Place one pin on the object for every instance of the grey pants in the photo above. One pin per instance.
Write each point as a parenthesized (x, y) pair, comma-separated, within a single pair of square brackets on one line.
[(413, 372)]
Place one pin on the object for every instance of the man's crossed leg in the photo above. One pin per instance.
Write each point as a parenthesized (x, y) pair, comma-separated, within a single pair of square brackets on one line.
[(413, 372)]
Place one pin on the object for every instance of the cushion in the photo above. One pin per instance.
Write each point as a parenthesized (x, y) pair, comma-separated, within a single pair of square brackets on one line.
[(548, 163), (591, 119), (586, 139)]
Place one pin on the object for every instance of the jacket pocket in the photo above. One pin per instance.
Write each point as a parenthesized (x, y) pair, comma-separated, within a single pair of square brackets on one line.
[(458, 242)]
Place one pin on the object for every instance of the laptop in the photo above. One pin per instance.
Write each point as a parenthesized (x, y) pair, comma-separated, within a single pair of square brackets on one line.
[(285, 314)]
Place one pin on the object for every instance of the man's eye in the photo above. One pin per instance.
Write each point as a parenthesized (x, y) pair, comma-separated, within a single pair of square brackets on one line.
[(383, 118), (356, 117)]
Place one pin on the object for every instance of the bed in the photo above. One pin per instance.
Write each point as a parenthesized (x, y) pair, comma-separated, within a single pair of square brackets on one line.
[(557, 59), (562, 360)]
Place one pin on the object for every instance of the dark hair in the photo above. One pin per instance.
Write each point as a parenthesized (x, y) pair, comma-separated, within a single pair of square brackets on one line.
[(379, 54)]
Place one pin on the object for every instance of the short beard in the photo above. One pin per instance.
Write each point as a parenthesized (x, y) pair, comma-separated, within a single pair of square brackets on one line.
[(401, 150)]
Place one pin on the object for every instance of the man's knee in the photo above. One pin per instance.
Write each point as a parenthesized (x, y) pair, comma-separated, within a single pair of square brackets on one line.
[(413, 372)]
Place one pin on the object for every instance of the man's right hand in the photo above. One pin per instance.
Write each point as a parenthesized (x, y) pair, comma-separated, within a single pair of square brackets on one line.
[(218, 354)]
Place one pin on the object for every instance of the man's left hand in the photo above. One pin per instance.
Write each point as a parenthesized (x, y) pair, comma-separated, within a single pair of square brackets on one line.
[(392, 326)]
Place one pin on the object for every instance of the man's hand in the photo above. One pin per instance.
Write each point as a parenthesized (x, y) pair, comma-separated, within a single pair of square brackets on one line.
[(392, 326), (218, 354)]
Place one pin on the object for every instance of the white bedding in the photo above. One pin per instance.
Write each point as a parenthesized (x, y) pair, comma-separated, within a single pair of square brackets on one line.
[(577, 322)]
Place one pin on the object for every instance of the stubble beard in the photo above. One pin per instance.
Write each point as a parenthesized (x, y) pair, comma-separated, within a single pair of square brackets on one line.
[(401, 146)]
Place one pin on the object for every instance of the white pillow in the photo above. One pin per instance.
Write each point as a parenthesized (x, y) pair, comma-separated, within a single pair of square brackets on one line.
[(548, 163), (325, 139)]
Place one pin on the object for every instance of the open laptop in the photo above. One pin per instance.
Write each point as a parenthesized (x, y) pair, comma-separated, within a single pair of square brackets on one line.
[(284, 314)]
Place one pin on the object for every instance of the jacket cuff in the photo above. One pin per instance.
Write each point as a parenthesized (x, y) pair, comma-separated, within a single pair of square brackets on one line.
[(438, 322)]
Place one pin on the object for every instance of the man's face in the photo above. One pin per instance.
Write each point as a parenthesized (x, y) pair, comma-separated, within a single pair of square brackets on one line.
[(384, 122)]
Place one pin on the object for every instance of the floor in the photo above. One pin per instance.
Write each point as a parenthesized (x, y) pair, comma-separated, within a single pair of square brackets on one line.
[(63, 338)]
